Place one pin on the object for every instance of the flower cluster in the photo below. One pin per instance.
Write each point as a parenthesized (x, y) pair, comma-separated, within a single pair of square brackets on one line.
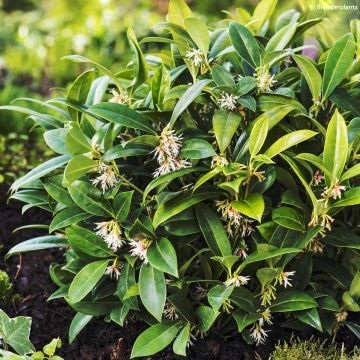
[(196, 56), (335, 191), (167, 153), (110, 231), (139, 248), (228, 102), (118, 98), (265, 81), (237, 280), (107, 178)]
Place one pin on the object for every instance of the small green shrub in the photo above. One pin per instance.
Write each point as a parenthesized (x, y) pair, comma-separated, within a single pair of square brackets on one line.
[(312, 349), (211, 187), (7, 293)]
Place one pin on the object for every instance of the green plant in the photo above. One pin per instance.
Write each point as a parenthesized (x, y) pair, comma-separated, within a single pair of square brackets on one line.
[(6, 290), (19, 154), (15, 333), (310, 349), (217, 188)]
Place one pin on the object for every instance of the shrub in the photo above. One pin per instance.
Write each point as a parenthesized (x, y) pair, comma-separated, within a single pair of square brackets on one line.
[(311, 350), (215, 190), (6, 290)]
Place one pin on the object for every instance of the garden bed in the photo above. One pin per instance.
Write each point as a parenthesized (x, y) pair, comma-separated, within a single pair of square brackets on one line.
[(99, 340)]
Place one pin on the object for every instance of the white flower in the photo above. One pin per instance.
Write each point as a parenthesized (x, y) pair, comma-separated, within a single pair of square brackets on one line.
[(228, 101), (102, 229), (110, 231), (259, 334), (237, 280), (336, 190), (245, 227), (169, 145), (241, 253), (284, 277), (191, 340), (220, 161), (118, 98), (171, 165), (166, 153), (228, 212), (107, 179), (265, 81), (113, 271), (318, 178), (170, 311), (266, 317), (139, 248), (196, 56)]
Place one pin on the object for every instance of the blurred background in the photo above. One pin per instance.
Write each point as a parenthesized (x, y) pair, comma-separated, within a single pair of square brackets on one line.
[(35, 34)]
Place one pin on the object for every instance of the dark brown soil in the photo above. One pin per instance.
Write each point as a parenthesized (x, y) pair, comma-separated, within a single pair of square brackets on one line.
[(99, 340)]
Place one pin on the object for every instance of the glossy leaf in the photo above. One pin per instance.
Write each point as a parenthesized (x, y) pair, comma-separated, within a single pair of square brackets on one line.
[(77, 324), (289, 218), (162, 255), (155, 339), (86, 280), (245, 44), (213, 231), (225, 124), (288, 141), (311, 74), (188, 97), (89, 198), (337, 64), (123, 115), (292, 301), (253, 206), (335, 148), (152, 290)]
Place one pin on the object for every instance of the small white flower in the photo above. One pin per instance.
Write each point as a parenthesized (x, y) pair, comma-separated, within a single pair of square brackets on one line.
[(266, 317), (336, 190), (113, 271), (192, 339), (118, 98), (102, 229), (170, 311), (169, 145), (228, 101), (265, 81), (241, 253), (245, 227), (139, 249), (219, 161), (171, 165), (237, 280), (196, 56), (110, 231), (259, 334), (166, 153), (284, 278), (318, 178), (229, 213), (107, 179)]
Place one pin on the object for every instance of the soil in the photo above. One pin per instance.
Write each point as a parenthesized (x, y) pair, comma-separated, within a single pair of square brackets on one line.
[(99, 340)]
